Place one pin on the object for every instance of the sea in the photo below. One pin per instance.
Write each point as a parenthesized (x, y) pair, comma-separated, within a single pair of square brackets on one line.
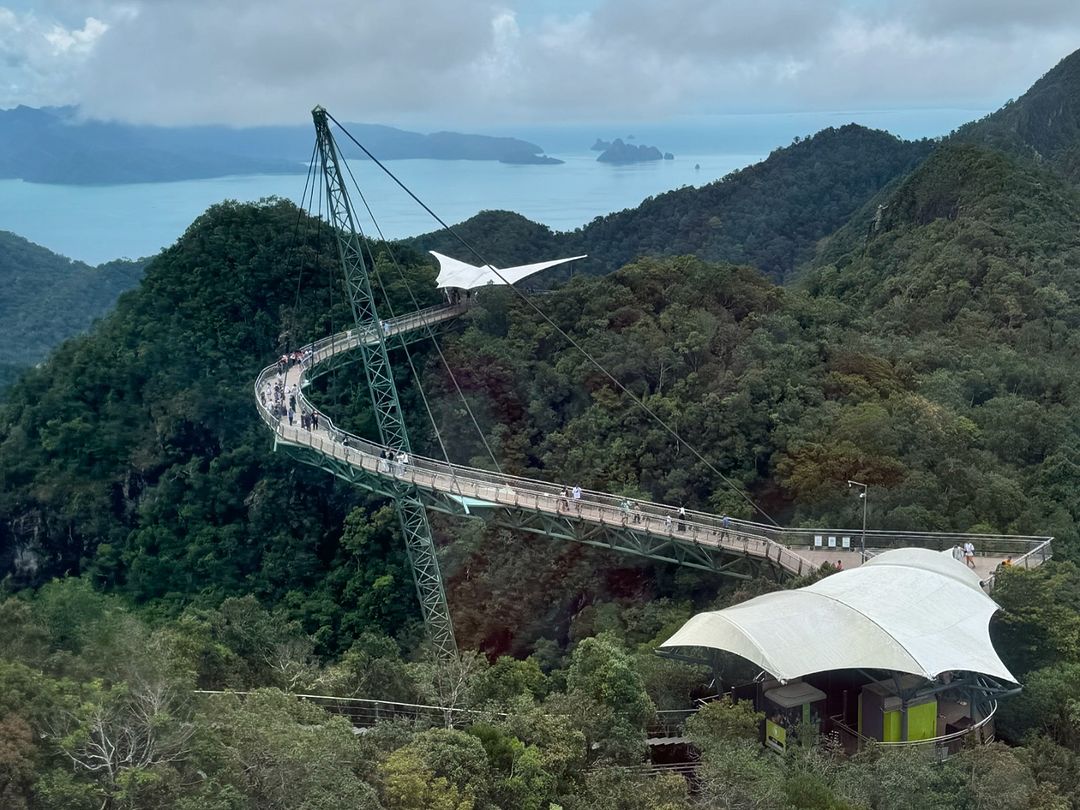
[(95, 224)]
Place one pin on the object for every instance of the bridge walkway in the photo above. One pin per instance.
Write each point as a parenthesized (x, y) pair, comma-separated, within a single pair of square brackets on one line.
[(658, 531)]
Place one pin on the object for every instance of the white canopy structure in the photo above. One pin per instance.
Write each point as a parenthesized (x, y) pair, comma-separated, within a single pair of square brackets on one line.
[(908, 610), (457, 274)]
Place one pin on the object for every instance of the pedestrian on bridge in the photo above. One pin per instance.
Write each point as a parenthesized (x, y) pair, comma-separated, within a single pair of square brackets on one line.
[(563, 503), (682, 518), (969, 554), (625, 507), (575, 493)]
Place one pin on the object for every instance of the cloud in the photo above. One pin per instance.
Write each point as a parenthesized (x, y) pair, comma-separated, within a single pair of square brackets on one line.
[(484, 61), (41, 58)]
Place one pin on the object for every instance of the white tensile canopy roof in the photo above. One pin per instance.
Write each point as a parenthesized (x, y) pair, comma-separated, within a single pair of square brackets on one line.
[(458, 274), (907, 610)]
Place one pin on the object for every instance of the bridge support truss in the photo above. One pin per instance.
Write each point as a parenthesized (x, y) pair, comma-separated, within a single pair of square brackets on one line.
[(659, 547)]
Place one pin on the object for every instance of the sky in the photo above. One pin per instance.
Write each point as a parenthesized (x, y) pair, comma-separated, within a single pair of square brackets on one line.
[(468, 64)]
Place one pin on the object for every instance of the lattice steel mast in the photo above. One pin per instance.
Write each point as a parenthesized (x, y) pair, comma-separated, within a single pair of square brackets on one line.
[(384, 395)]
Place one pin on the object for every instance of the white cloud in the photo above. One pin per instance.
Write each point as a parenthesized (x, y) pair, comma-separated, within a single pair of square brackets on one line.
[(76, 40), (484, 61), (41, 57)]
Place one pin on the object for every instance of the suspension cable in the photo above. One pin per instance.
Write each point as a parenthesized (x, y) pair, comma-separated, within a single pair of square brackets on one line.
[(596, 363), (300, 210), (365, 246), (427, 328)]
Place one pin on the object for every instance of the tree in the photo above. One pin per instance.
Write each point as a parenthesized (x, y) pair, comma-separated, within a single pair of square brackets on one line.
[(1040, 619), (720, 722), (440, 768), (129, 739), (279, 753), (1049, 705), (613, 697), (16, 762), (620, 788), (520, 777)]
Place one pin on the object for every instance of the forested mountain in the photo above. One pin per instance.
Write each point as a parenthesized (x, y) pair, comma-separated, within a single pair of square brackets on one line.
[(48, 298), (929, 350), (963, 306), (1043, 124), (134, 457), (769, 215)]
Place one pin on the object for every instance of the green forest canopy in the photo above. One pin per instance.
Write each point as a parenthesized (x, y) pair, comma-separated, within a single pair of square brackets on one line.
[(930, 354)]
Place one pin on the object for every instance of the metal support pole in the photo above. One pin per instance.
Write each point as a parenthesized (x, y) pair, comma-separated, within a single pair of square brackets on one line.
[(384, 396), (863, 496)]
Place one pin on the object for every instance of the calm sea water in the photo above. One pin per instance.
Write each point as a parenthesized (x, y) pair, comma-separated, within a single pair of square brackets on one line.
[(99, 223)]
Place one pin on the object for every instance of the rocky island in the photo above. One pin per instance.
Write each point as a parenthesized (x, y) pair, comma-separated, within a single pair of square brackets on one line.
[(620, 152)]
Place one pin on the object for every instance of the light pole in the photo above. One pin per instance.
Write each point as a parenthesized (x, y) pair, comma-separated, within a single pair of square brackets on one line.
[(862, 495)]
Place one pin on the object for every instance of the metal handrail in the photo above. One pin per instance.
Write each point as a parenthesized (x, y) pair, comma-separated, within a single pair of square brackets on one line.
[(368, 711), (770, 542), (944, 739), (1040, 554)]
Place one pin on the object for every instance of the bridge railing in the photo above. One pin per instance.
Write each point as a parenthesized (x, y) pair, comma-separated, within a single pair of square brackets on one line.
[(1032, 559), (852, 539), (938, 748), (762, 540), (366, 712), (524, 493)]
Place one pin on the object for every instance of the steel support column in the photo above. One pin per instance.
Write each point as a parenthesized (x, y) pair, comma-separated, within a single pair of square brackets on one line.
[(384, 396)]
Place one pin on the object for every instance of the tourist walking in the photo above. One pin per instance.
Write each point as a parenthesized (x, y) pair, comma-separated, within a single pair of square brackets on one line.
[(969, 554)]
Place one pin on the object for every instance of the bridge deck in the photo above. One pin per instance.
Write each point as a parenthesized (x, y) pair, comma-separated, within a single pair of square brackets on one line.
[(797, 551)]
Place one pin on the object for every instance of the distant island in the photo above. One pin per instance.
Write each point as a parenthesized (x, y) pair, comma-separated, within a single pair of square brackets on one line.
[(620, 152), (540, 160), (57, 145)]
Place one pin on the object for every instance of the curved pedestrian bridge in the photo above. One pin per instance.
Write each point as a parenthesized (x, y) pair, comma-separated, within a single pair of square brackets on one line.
[(644, 528)]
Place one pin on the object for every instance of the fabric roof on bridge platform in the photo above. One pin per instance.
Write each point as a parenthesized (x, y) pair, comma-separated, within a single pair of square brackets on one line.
[(460, 275), (907, 610)]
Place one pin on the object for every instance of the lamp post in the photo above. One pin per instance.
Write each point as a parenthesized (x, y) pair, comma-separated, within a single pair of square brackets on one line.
[(862, 495)]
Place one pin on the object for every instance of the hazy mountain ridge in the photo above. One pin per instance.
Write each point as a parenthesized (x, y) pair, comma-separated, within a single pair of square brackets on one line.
[(48, 298), (53, 145)]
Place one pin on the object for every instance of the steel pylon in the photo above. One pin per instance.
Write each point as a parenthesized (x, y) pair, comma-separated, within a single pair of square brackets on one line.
[(384, 396)]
